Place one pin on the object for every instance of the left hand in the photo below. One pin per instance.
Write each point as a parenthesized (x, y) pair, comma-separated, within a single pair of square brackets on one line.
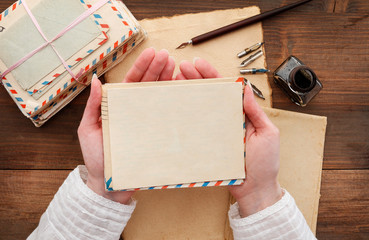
[(149, 66), (261, 188)]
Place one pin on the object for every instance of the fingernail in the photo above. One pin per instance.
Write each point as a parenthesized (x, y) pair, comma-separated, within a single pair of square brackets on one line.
[(194, 60), (165, 50), (93, 78), (249, 84)]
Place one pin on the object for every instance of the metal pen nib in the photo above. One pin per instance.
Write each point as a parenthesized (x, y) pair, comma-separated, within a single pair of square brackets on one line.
[(183, 45), (255, 89), (252, 58), (254, 70), (250, 49)]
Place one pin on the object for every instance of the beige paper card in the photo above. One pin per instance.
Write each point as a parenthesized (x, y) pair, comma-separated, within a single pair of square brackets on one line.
[(176, 133)]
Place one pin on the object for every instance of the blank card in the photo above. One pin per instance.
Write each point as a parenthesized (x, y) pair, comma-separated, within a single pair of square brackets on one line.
[(173, 134)]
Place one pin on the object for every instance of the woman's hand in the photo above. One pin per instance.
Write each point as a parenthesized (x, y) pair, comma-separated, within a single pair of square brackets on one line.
[(261, 188), (149, 66), (198, 70)]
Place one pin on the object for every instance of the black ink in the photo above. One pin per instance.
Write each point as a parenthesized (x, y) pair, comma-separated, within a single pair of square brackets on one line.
[(297, 80), (2, 28)]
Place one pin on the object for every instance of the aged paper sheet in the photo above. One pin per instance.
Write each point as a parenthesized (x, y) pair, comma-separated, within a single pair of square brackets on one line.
[(302, 148), (105, 118), (175, 134)]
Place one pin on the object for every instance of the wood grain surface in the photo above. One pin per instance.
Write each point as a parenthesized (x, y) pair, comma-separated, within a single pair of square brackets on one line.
[(330, 36), (25, 195)]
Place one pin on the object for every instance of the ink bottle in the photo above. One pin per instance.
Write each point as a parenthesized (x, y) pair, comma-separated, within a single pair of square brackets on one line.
[(297, 80)]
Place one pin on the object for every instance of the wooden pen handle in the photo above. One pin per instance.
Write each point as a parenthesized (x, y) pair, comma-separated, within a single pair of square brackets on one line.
[(245, 22)]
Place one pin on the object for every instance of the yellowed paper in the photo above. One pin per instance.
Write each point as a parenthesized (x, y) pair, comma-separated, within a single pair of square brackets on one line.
[(188, 213), (302, 148), (104, 108), (174, 134)]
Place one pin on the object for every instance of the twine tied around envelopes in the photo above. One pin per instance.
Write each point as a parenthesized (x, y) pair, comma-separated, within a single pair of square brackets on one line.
[(77, 21)]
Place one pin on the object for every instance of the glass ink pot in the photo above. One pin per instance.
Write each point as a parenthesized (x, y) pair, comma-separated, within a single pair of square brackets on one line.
[(297, 80)]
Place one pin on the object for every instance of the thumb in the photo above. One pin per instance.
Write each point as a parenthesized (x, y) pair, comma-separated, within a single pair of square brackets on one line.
[(252, 109), (92, 111)]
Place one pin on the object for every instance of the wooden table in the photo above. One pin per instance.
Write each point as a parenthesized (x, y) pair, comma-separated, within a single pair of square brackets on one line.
[(330, 36)]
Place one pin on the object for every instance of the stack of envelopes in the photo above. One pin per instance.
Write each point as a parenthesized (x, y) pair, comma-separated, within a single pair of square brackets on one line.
[(41, 84)]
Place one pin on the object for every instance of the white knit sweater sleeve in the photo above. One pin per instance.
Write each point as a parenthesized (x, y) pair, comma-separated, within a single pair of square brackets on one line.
[(283, 220), (76, 212)]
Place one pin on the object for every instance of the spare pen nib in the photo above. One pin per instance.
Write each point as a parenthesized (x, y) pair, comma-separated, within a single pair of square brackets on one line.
[(254, 70), (252, 58), (183, 45), (255, 89), (250, 49)]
